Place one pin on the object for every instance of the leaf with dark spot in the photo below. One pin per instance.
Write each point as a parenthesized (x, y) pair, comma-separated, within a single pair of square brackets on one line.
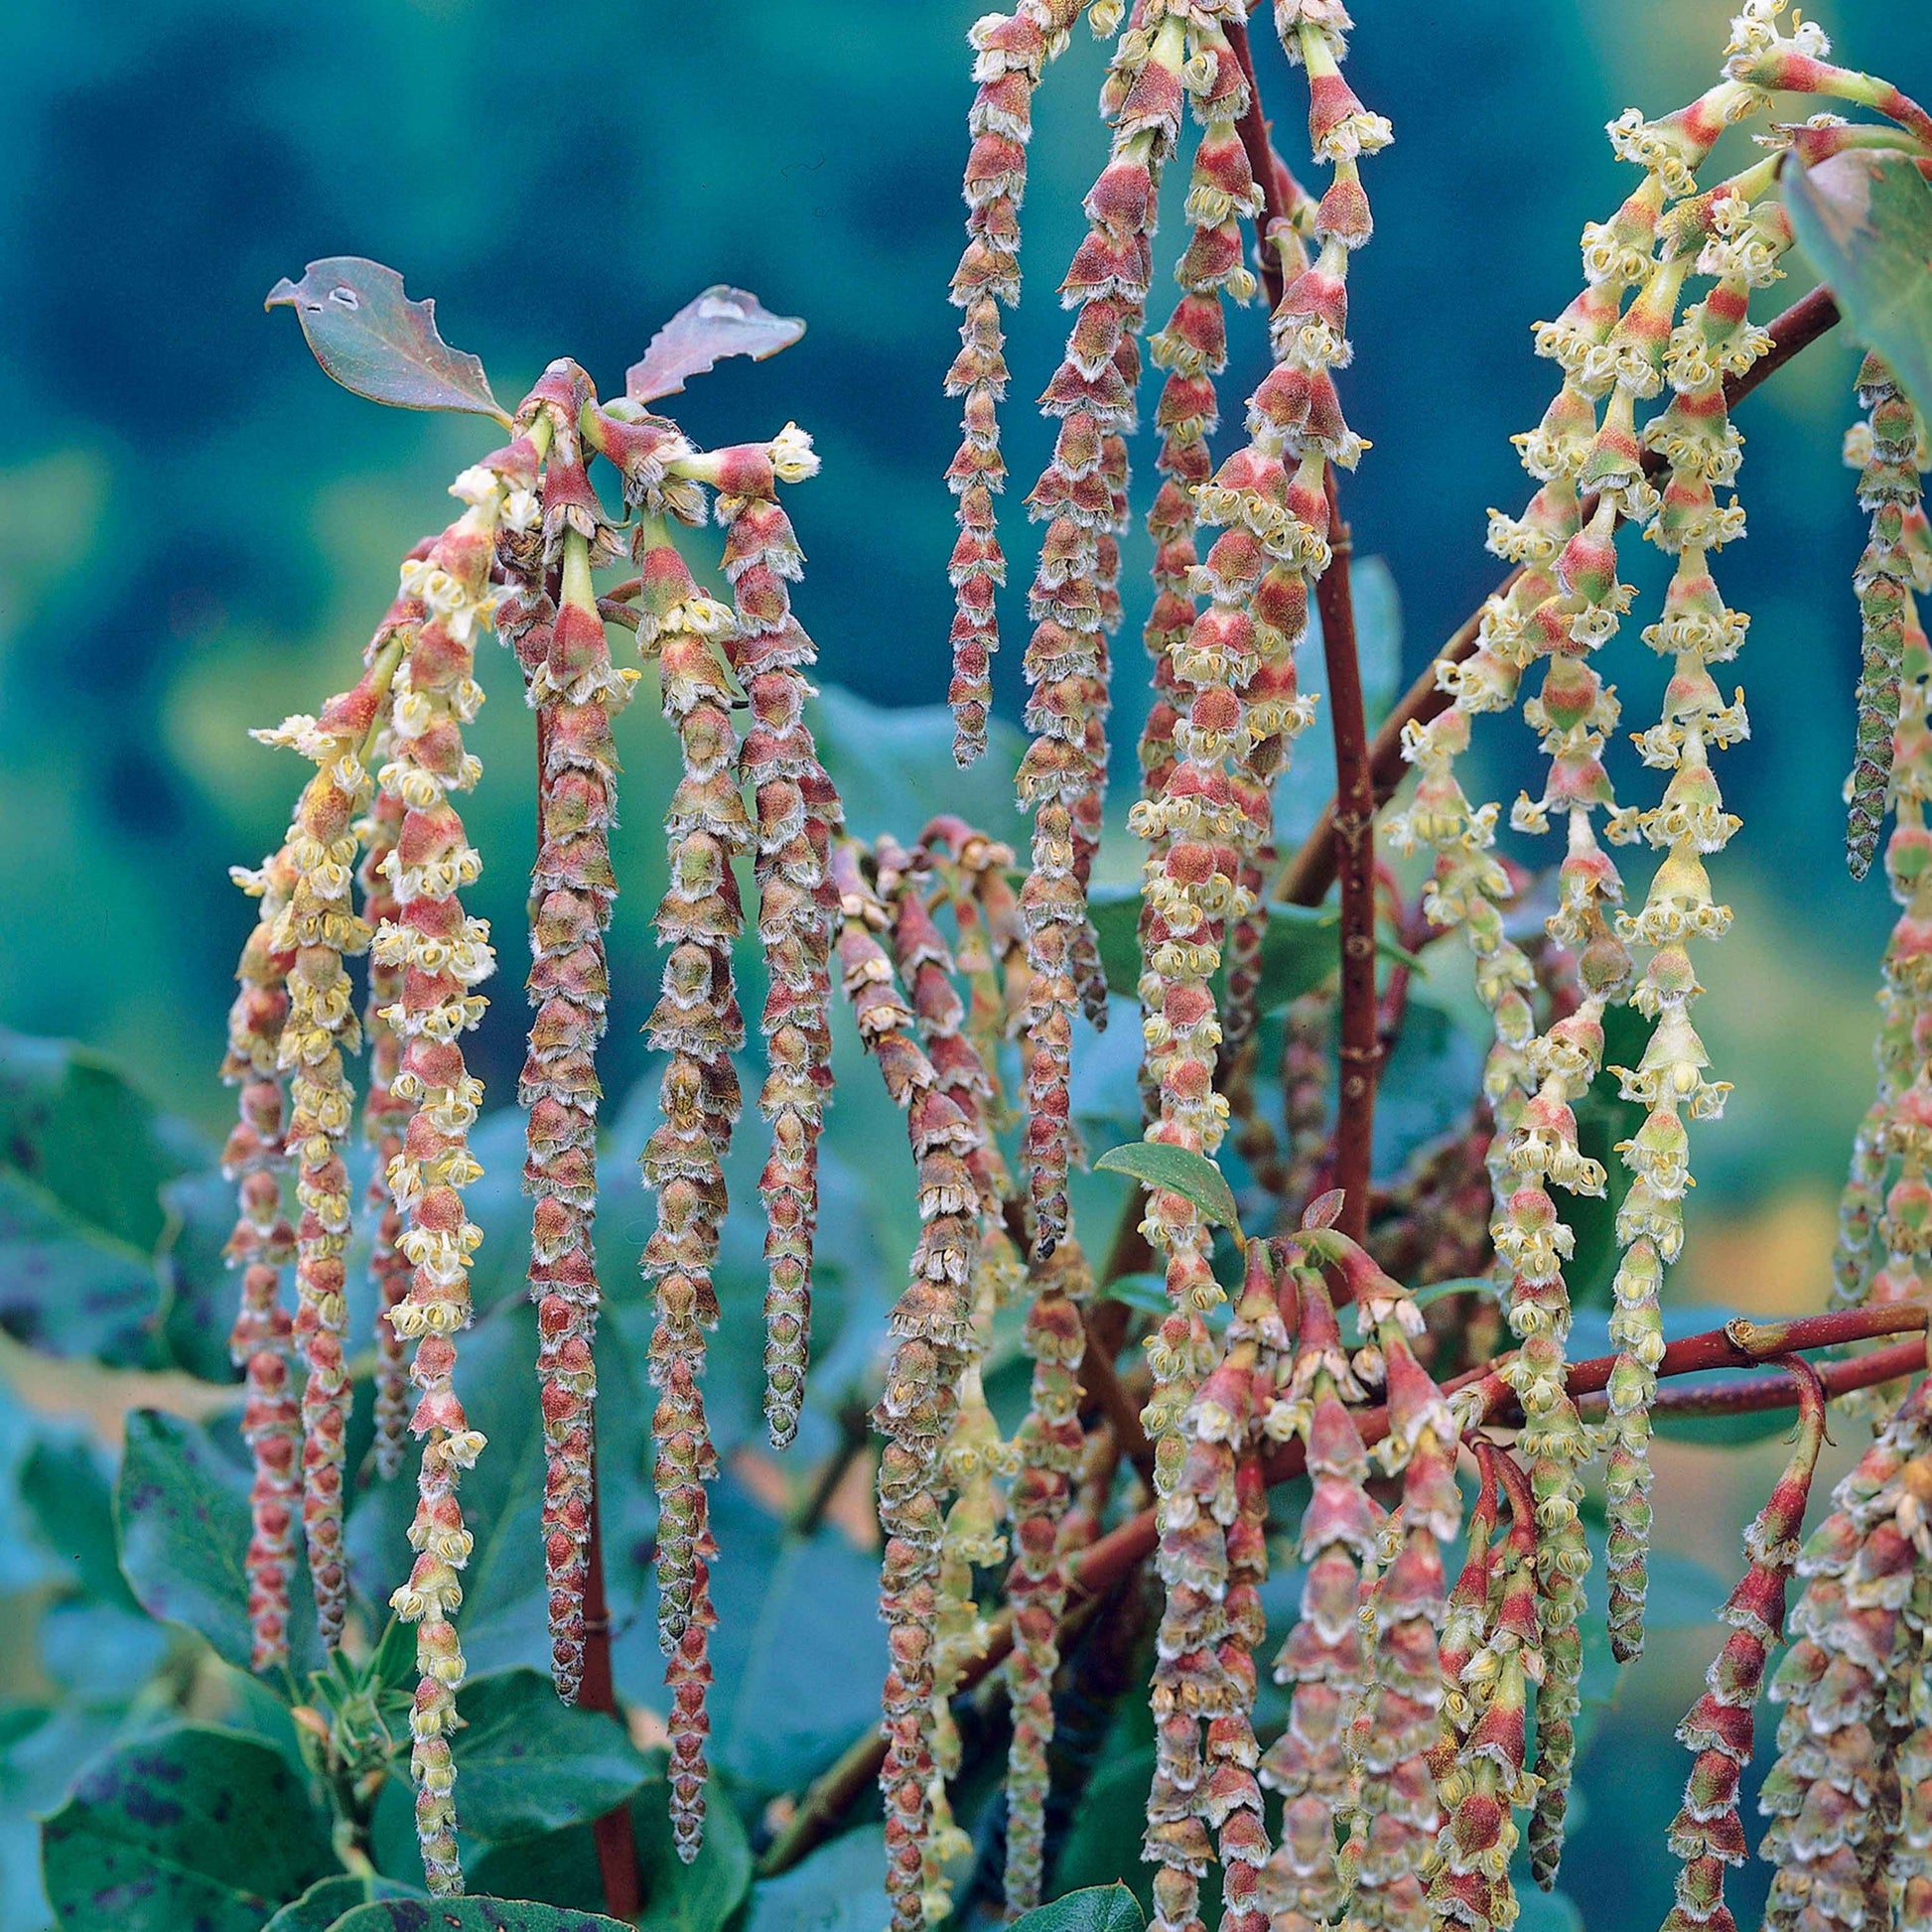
[(376, 342), (183, 1509), (155, 1837), (720, 321), (318, 1909)]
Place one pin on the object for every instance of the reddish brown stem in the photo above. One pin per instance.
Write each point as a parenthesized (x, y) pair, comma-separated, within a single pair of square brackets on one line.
[(617, 1843), (1354, 849), (1310, 870)]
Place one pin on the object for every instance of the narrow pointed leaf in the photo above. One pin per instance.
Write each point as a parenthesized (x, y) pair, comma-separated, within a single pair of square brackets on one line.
[(1865, 220), (1176, 1170), (374, 341), (720, 321)]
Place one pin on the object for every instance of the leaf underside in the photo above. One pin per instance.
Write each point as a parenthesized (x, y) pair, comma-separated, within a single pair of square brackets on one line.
[(720, 321)]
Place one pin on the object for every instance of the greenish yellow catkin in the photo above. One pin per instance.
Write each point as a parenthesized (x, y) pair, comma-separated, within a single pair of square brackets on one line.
[(1843, 1824), (1491, 1642), (1887, 448), (1897, 565), (1708, 1834)]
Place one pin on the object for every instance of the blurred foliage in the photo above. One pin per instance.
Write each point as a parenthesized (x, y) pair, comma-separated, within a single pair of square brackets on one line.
[(201, 531)]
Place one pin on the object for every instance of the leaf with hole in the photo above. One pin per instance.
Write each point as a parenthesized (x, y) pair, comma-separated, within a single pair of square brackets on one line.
[(1865, 220), (1176, 1170), (376, 342), (192, 1826), (720, 321)]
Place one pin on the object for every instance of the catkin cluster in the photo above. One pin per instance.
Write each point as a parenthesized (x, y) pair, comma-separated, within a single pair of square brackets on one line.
[(1708, 1834), (1848, 1798), (1886, 1195)]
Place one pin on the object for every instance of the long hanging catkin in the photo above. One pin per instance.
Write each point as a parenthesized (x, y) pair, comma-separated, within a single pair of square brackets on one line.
[(444, 954), (262, 1243), (797, 815)]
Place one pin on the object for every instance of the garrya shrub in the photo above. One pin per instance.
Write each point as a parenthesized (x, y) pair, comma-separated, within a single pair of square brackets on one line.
[(1276, 1403)]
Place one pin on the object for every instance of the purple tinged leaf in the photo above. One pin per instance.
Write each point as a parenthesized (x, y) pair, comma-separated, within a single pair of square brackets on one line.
[(720, 321), (375, 341)]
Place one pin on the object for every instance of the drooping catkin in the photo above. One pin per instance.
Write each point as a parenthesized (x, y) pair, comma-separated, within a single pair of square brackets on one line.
[(1833, 1796), (318, 928), (384, 1119), (799, 814), (1324, 1657), (1063, 774), (575, 690), (1011, 52), (1898, 567), (1483, 1782), (444, 954), (1398, 1811), (975, 1457), (933, 1321), (1887, 450), (261, 1245), (1050, 1446), (1708, 1834), (697, 1022)]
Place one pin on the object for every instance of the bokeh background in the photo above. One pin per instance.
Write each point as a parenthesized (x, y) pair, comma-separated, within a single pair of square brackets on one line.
[(197, 530)]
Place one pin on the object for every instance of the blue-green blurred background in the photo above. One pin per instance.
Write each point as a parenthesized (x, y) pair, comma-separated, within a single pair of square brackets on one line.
[(197, 530)]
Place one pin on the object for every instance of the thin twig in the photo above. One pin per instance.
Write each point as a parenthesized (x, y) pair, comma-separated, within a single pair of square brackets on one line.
[(1359, 1051), (1104, 1561), (617, 1842)]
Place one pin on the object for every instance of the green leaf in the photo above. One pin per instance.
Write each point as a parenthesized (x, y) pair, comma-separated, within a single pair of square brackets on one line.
[(84, 1158), (560, 1867), (799, 1651), (376, 342), (1147, 1293), (63, 1485), (702, 1895), (1100, 1908), (71, 1124), (894, 770), (191, 1828), (1103, 1843), (528, 1763), (319, 1908), (199, 1289), (720, 321), (473, 1914), (1865, 220), (182, 1510), (1176, 1170), (841, 1888)]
